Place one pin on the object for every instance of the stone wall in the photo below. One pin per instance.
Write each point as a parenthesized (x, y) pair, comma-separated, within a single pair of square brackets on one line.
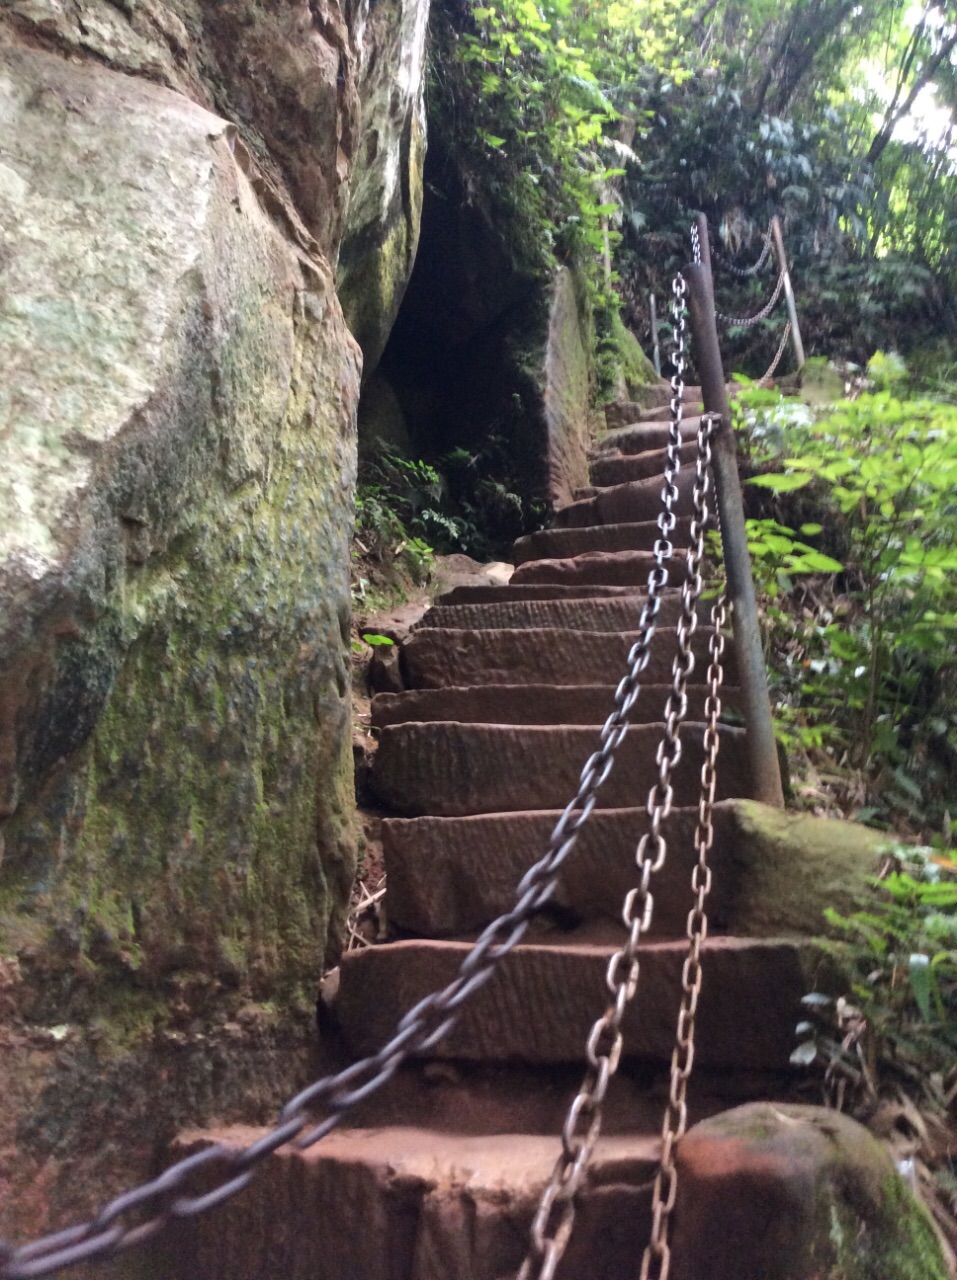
[(177, 461)]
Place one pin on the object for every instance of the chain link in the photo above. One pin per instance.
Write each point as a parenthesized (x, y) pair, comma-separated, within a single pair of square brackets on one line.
[(782, 345), (656, 1261), (753, 270), (742, 322), (555, 1216), (167, 1197)]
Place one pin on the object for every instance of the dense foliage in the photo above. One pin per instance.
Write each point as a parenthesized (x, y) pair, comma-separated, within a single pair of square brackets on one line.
[(603, 128)]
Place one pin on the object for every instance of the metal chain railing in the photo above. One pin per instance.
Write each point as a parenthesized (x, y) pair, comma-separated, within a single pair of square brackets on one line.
[(753, 270), (782, 346), (168, 1197), (742, 322), (656, 1261), (555, 1216)]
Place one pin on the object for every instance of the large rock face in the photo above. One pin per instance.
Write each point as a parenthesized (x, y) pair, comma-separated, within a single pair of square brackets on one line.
[(177, 459)]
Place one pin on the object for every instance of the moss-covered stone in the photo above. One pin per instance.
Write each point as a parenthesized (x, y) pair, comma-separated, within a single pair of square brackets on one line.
[(786, 868), (175, 518), (784, 1192)]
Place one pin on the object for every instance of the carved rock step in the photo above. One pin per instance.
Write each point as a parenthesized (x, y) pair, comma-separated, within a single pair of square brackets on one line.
[(621, 613), (612, 568), (635, 500), (540, 1003), (617, 468), (541, 592), (452, 769), (561, 543), (639, 437), (440, 657), (414, 1204), (655, 405), (451, 876), (533, 704)]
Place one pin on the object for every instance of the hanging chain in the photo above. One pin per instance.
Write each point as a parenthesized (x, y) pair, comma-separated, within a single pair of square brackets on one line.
[(656, 1261), (753, 270), (782, 345), (742, 322), (555, 1216)]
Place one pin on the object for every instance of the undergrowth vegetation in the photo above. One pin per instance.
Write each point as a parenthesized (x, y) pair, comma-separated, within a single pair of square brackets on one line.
[(409, 510)]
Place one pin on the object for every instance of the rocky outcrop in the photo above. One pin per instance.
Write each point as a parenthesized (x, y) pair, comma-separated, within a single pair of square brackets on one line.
[(177, 428)]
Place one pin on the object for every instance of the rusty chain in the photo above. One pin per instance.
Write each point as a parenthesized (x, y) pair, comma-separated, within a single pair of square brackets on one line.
[(753, 270), (656, 1262), (782, 345), (555, 1215), (168, 1197), (742, 322)]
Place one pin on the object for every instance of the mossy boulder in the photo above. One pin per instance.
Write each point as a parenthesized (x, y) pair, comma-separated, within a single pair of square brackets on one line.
[(773, 1191), (784, 869), (176, 506)]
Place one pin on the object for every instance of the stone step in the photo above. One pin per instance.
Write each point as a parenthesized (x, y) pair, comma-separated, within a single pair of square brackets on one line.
[(492, 594), (620, 613), (608, 469), (556, 544), (533, 704), (642, 436), (449, 876), (450, 769), (613, 568), (654, 401), (539, 1004), (440, 657), (408, 1203), (635, 500)]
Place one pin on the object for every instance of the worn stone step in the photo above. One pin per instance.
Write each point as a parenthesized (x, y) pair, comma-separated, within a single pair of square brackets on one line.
[(653, 402), (636, 500), (620, 613), (642, 436), (609, 469), (556, 544), (405, 1203), (530, 591), (449, 876), (452, 769), (533, 704), (440, 657), (540, 1003), (615, 568)]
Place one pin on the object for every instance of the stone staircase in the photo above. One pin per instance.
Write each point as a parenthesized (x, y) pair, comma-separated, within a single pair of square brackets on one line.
[(437, 1176)]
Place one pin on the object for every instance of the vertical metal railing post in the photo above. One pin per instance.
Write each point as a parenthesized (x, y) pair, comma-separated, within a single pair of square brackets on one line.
[(655, 349), (762, 749), (788, 292)]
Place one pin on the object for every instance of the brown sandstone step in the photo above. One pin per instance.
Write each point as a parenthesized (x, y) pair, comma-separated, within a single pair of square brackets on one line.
[(633, 501), (450, 876), (439, 657), (619, 613), (614, 568), (445, 657), (452, 769), (638, 437), (556, 544), (540, 1003), (608, 469), (654, 402), (531, 591), (408, 1203), (533, 704)]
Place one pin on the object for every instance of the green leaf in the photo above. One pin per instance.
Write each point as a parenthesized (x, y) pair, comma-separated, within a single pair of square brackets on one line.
[(780, 483), (376, 640)]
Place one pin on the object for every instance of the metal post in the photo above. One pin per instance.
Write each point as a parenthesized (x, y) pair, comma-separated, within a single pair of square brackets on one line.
[(762, 750), (655, 351), (788, 292)]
